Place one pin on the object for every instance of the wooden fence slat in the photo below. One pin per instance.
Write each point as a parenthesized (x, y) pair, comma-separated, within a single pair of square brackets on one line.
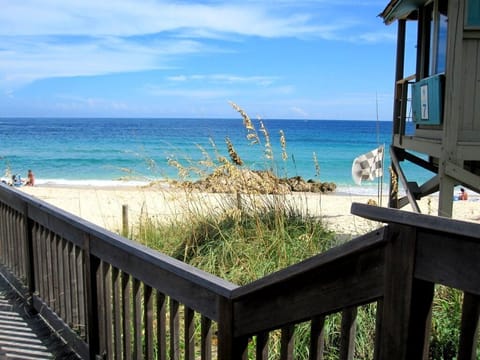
[(43, 265), (189, 329), (50, 275), (261, 348), (161, 326), (137, 320), (3, 228), (67, 283), (127, 316), (348, 332), (55, 275), (317, 337), (148, 321), (469, 327), (9, 238), (378, 328), (117, 313), (61, 278), (101, 298), (29, 254), (82, 316), (420, 319), (287, 342), (91, 267), (74, 284), (108, 314), (206, 339), (16, 250), (174, 330)]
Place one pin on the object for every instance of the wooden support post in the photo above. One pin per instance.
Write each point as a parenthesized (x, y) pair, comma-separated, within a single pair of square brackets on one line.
[(407, 301), (347, 338), (29, 261), (469, 328), (239, 201), (92, 265), (229, 348), (317, 337), (125, 220)]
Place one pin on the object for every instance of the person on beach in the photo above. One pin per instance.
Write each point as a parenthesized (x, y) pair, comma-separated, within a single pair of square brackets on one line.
[(16, 180), (30, 178), (463, 195)]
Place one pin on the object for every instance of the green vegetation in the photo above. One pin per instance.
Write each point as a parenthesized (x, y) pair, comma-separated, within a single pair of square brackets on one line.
[(228, 244)]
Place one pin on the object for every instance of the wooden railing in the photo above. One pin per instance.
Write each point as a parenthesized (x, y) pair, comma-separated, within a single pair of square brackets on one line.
[(401, 101), (111, 298)]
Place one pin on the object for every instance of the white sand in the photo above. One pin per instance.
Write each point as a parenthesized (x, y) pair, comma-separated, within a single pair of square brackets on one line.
[(103, 206)]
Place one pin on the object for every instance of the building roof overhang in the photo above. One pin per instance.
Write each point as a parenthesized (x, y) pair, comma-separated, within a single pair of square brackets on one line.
[(401, 9)]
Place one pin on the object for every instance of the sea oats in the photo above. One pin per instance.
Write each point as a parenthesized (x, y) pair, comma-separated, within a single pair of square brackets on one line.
[(233, 154), (252, 135), (394, 182), (207, 160), (268, 144), (316, 163), (283, 144)]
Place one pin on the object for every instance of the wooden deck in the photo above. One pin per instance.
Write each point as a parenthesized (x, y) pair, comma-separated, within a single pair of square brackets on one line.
[(23, 333)]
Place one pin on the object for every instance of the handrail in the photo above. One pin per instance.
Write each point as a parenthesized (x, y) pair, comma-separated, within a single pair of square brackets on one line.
[(272, 307), (114, 249), (420, 221)]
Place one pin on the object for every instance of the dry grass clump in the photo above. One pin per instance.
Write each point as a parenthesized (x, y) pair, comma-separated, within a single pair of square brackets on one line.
[(219, 174)]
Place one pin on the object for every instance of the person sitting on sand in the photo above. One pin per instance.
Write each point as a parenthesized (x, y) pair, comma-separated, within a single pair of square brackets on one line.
[(30, 178), (463, 195), (16, 180)]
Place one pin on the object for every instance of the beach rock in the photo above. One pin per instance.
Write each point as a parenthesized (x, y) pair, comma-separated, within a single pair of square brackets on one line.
[(230, 179)]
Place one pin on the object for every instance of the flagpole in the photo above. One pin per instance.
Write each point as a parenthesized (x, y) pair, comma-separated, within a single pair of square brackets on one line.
[(380, 179)]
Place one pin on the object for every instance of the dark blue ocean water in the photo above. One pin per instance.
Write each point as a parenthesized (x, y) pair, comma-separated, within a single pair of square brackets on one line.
[(99, 151)]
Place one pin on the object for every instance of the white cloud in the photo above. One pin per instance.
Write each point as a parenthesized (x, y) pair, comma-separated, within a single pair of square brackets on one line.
[(219, 86), (299, 111), (23, 60), (55, 38), (188, 93), (262, 81), (131, 17), (81, 103)]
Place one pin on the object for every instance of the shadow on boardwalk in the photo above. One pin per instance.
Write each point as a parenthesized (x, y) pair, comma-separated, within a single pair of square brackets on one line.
[(23, 334)]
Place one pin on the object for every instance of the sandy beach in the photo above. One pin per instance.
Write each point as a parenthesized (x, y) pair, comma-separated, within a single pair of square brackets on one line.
[(103, 205)]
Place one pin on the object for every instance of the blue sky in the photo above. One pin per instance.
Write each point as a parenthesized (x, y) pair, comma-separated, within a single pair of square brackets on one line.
[(323, 59)]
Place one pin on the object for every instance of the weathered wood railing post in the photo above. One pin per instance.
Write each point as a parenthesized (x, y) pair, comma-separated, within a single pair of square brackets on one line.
[(29, 261), (229, 348), (407, 301), (125, 220), (92, 265), (317, 337), (349, 328), (469, 327)]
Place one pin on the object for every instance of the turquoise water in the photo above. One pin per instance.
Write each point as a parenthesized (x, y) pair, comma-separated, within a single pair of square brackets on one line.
[(105, 151)]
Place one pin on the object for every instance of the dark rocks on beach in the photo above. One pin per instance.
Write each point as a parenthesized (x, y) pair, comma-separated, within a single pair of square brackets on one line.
[(250, 181)]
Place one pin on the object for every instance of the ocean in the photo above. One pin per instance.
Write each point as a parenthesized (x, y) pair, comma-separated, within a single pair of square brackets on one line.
[(132, 151)]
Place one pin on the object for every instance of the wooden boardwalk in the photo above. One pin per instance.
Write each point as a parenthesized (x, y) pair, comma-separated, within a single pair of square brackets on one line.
[(23, 334)]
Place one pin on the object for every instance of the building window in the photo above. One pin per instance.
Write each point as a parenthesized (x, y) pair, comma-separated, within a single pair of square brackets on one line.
[(472, 18), (438, 43)]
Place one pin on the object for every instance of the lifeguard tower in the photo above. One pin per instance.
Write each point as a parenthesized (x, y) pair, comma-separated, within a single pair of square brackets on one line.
[(442, 99)]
